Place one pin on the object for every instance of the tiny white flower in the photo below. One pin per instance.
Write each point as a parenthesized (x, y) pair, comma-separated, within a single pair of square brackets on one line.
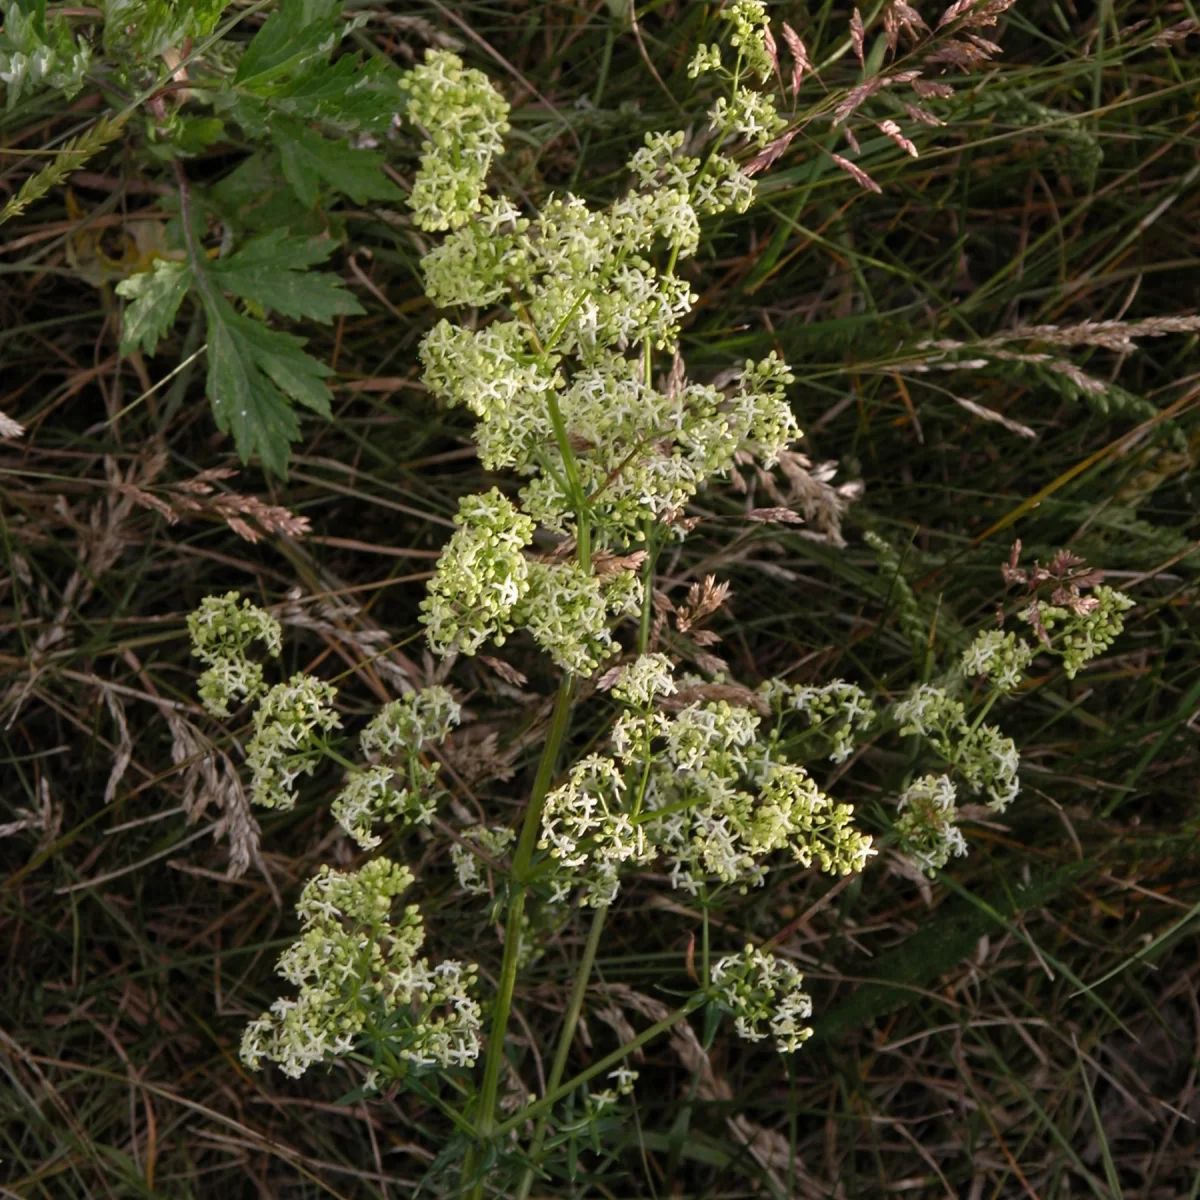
[(927, 825)]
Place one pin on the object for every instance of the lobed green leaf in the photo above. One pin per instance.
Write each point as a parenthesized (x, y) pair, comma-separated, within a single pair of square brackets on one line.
[(252, 370), (156, 296), (270, 271), (309, 159)]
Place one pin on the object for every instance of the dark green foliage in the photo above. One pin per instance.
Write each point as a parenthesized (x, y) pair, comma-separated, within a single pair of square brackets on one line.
[(254, 372), (283, 104), (310, 160), (136, 30)]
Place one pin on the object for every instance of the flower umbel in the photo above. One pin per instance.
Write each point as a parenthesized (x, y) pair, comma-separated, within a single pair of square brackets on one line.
[(481, 576), (1079, 634), (222, 630), (1002, 657), (840, 710), (643, 680), (986, 759), (289, 729), (926, 826), (397, 732), (464, 119), (765, 996), (493, 840), (358, 973)]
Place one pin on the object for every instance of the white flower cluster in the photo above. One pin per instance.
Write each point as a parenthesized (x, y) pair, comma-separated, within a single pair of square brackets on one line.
[(623, 1079), (493, 840), (588, 292), (744, 111), (643, 453), (639, 453), (700, 789), (927, 710), (838, 709), (358, 973), (398, 730), (484, 587), (926, 826), (751, 35), (464, 119), (566, 611), (1002, 657), (478, 264), (558, 396), (793, 812), (490, 372), (642, 681), (721, 805), (632, 737), (405, 725), (589, 833), (581, 271), (749, 113), (356, 970), (624, 592), (222, 630), (988, 761), (289, 738), (590, 285), (1086, 630), (985, 757), (707, 58), (368, 796), (764, 994), (480, 577)]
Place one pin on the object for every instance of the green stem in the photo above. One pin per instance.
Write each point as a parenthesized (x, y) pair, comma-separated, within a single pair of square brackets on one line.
[(341, 760), (551, 1098), (647, 588), (583, 538), (954, 758), (400, 1071), (641, 792), (983, 712), (566, 1037), (584, 971), (518, 881)]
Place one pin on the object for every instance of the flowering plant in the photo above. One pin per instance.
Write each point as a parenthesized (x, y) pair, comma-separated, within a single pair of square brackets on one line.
[(697, 775)]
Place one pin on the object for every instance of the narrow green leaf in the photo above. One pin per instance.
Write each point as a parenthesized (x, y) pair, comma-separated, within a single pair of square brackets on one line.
[(1110, 1167), (938, 947)]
